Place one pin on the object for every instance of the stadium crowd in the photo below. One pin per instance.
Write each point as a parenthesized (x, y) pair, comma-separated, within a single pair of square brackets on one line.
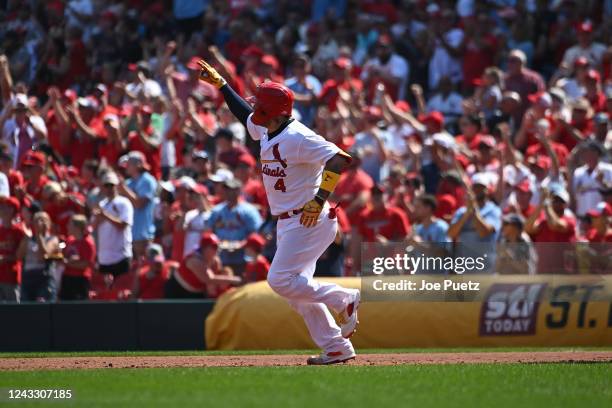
[(472, 124)]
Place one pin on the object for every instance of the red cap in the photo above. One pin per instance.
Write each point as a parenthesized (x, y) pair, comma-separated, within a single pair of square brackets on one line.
[(270, 60), (193, 63), (146, 109), (72, 171), (487, 140), (594, 75), (403, 106), (209, 239), (271, 100), (477, 81), (253, 51), (585, 27), (343, 63), (447, 204), (255, 242), (435, 117), (247, 160), (384, 40), (373, 112), (33, 158), (12, 202), (132, 67), (542, 162), (602, 209), (524, 186), (70, 95), (581, 62)]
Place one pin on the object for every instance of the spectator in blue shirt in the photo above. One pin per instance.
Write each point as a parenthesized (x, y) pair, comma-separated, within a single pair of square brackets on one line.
[(430, 234), (476, 226), (140, 189), (233, 221), (305, 88)]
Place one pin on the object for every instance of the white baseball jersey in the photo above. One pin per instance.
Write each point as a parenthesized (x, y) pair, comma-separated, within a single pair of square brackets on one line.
[(292, 164)]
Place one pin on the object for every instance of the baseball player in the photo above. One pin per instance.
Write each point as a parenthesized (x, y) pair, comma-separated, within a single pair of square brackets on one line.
[(300, 170)]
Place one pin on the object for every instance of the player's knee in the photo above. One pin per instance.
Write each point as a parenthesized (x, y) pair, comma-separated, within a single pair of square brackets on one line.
[(278, 282)]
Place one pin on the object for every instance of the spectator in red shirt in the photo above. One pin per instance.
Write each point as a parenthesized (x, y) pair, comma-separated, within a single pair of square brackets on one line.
[(553, 227), (257, 265), (80, 258), (594, 95), (599, 237), (353, 189), (113, 144), (145, 139), (340, 80), (15, 178), (13, 245), (580, 126), (61, 206), (33, 168), (380, 222), (253, 189), (87, 129), (523, 193), (154, 273)]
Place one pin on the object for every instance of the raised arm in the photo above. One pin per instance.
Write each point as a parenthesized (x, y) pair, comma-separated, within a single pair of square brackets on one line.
[(238, 106)]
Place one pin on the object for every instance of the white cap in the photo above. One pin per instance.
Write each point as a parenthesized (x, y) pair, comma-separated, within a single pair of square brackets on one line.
[(167, 185), (110, 178), (445, 140), (20, 99), (221, 176), (186, 182), (483, 179)]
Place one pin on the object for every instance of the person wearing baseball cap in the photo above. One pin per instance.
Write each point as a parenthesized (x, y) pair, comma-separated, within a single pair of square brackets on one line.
[(586, 47), (198, 271), (140, 189), (33, 168), (113, 220), (13, 245), (595, 173), (253, 189), (601, 230), (552, 222), (516, 253), (154, 273), (603, 131), (288, 147), (523, 193), (477, 224), (257, 265)]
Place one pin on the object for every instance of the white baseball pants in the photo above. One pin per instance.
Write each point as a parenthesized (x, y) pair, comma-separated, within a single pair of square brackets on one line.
[(291, 276)]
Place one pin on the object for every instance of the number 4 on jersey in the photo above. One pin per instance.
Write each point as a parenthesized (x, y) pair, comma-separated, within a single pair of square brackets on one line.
[(280, 185)]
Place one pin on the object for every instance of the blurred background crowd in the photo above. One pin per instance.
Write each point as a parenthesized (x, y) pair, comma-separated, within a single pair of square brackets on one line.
[(475, 126)]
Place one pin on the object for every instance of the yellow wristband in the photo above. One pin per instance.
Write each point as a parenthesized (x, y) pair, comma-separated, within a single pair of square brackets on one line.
[(329, 181)]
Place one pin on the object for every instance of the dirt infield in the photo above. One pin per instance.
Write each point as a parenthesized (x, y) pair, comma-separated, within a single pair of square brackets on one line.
[(62, 363)]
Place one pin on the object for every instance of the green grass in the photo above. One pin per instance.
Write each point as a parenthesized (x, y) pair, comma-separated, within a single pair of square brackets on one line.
[(305, 352), (470, 385)]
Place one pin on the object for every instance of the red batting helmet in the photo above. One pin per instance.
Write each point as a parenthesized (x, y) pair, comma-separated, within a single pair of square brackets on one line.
[(271, 100)]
